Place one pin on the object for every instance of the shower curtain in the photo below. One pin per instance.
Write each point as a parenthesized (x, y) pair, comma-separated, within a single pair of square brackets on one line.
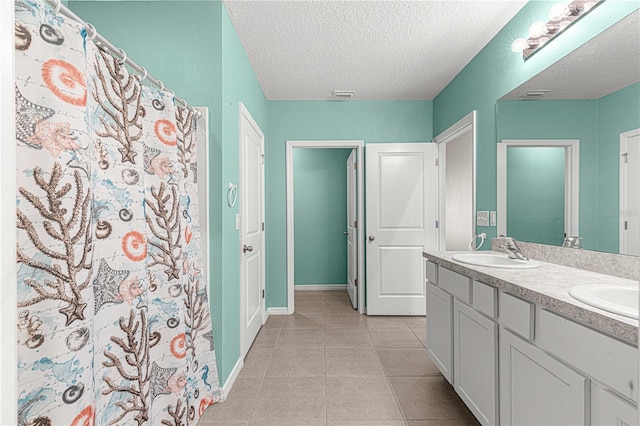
[(113, 312)]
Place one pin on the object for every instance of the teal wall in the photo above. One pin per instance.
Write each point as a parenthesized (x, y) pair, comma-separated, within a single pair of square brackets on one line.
[(597, 124), (535, 190), (193, 48), (371, 121), (617, 113), (496, 70), (320, 215)]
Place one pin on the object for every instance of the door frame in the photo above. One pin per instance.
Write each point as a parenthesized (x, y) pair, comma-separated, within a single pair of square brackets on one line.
[(339, 144), (465, 124), (244, 114), (571, 180), (624, 142)]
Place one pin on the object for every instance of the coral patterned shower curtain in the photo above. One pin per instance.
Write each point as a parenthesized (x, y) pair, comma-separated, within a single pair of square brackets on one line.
[(113, 312)]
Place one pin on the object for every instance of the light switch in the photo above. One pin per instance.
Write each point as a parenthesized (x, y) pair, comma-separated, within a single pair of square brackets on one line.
[(482, 218), (492, 218)]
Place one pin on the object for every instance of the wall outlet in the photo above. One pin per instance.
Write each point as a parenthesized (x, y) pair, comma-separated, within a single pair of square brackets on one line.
[(492, 218), (482, 218)]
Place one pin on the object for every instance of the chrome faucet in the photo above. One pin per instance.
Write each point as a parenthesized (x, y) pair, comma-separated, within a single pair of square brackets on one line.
[(511, 247), (572, 242)]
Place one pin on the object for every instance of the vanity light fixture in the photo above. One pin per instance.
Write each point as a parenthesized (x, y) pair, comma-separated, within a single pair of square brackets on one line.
[(561, 16)]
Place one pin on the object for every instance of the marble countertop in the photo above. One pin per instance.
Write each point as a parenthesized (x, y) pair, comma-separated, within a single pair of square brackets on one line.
[(548, 285)]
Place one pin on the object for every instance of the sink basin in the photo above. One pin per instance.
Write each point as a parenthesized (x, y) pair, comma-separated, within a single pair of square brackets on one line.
[(617, 299), (494, 260)]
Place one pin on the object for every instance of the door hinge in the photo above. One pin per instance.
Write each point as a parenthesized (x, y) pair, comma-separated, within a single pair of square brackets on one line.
[(355, 223), (437, 162), (626, 225), (355, 282), (437, 224), (262, 159), (263, 226), (263, 293), (355, 166), (626, 157)]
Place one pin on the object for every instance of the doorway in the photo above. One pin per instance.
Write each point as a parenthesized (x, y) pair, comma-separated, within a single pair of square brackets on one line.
[(457, 184), (629, 189), (568, 186), (291, 148)]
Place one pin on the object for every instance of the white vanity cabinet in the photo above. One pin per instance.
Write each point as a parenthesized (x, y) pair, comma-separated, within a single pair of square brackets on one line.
[(515, 362), (475, 361), (609, 409), (439, 330), (535, 389), (462, 342)]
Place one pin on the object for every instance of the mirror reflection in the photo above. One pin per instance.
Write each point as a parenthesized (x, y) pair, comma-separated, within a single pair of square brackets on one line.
[(592, 96)]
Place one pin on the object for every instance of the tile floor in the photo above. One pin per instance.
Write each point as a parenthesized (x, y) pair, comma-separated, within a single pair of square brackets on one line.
[(328, 365)]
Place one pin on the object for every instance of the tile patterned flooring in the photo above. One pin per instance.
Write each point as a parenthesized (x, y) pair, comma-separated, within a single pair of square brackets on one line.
[(328, 365)]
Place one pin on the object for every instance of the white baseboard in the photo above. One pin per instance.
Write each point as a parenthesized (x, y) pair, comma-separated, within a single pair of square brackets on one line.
[(316, 287), (231, 380), (278, 311)]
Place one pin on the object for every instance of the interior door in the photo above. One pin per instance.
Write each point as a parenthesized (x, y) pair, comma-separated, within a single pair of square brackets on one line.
[(629, 190), (401, 212), (352, 230), (252, 228)]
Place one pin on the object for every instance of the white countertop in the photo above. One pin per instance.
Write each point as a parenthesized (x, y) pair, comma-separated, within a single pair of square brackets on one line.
[(549, 286)]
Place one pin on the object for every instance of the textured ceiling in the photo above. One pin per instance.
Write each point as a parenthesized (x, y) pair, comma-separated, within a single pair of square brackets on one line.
[(384, 50), (605, 64)]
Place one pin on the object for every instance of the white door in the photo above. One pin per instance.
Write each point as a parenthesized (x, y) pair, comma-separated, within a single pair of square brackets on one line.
[(352, 236), (401, 211), (252, 228), (629, 190)]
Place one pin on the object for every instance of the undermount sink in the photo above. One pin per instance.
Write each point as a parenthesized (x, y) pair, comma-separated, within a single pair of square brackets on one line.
[(617, 299), (494, 260)]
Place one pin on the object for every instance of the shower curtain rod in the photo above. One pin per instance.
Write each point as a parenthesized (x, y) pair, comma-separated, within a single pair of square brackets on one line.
[(100, 40)]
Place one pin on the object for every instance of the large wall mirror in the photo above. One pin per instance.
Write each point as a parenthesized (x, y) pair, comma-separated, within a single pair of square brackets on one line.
[(592, 96)]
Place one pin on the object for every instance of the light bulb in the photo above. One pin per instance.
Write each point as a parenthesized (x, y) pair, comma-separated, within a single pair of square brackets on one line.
[(519, 45), (537, 29), (558, 11)]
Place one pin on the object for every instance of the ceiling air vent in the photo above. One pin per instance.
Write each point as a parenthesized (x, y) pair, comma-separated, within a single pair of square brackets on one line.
[(344, 94), (534, 94)]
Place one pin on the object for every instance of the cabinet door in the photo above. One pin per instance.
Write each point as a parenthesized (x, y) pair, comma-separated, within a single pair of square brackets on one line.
[(610, 409), (535, 389), (439, 329), (475, 361)]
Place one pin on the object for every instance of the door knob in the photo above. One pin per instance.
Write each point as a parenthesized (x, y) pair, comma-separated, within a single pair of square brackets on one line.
[(345, 233), (372, 237), (246, 248)]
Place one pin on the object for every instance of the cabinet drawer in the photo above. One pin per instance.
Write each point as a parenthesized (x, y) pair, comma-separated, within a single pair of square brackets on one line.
[(517, 315), (432, 272), (485, 299), (455, 283), (606, 359)]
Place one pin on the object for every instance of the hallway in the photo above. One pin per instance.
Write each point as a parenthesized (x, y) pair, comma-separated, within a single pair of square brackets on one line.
[(328, 365)]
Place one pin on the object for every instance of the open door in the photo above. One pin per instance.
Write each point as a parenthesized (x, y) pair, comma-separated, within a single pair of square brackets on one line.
[(401, 212), (629, 190), (352, 230)]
